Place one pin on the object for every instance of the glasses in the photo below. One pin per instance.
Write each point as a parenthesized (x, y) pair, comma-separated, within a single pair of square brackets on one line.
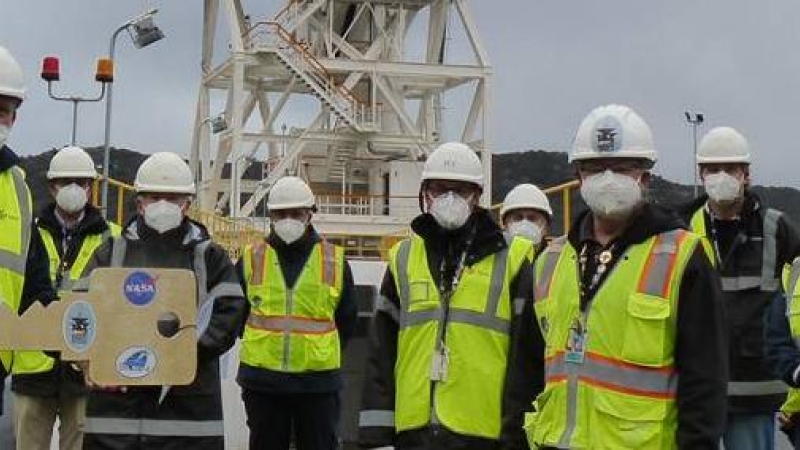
[(437, 187), (82, 182), (623, 167)]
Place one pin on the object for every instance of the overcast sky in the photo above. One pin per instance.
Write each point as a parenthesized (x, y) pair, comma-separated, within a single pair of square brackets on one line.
[(737, 61)]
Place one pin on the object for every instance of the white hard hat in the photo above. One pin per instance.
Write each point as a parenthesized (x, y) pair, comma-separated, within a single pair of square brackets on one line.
[(12, 82), (453, 161), (164, 172), (290, 193), (613, 131), (71, 162), (723, 145), (526, 196)]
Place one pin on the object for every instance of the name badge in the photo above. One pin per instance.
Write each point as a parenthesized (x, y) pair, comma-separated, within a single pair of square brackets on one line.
[(439, 364), (576, 344)]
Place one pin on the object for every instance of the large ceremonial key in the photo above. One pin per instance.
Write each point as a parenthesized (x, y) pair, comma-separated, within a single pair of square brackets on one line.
[(133, 326)]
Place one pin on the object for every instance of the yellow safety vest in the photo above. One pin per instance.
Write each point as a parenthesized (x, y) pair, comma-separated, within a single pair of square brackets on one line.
[(16, 219), (474, 328), (791, 275), (293, 329), (34, 361), (622, 393)]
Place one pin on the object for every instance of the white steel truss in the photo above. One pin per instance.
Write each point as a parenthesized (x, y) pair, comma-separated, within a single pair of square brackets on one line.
[(366, 105)]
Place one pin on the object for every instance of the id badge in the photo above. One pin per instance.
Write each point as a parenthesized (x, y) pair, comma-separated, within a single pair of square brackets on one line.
[(439, 365), (576, 344)]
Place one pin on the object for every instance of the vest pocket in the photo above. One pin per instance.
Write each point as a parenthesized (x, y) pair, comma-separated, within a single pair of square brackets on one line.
[(544, 425), (625, 421), (646, 330)]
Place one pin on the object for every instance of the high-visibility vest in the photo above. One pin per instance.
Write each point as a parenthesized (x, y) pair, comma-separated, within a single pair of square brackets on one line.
[(791, 275), (293, 329), (32, 361), (16, 219), (622, 395), (765, 279), (474, 327)]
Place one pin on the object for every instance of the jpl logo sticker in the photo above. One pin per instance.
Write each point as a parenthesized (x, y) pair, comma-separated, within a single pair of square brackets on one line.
[(140, 288), (136, 362)]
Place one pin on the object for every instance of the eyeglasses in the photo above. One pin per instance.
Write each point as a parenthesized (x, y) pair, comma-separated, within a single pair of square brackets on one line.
[(82, 182), (438, 187), (623, 167)]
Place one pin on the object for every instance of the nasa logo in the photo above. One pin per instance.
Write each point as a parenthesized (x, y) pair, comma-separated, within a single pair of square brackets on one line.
[(79, 325), (136, 362), (140, 288)]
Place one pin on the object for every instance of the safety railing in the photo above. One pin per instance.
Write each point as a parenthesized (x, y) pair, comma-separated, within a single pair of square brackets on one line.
[(565, 190), (298, 54), (368, 205)]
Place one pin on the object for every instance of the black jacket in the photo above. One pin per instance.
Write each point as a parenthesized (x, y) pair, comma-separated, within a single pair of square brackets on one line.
[(292, 259), (37, 286), (739, 245), (62, 378), (780, 351), (379, 384), (700, 355), (200, 401)]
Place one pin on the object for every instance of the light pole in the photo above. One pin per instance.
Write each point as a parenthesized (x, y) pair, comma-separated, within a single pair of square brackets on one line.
[(143, 32), (51, 71), (695, 120)]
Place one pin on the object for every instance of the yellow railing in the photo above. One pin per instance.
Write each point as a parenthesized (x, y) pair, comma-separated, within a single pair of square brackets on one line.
[(232, 235), (565, 189)]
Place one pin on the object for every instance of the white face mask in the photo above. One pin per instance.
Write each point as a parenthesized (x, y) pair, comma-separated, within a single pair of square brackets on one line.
[(722, 187), (526, 229), (163, 216), (5, 130), (611, 194), (450, 210), (71, 198), (289, 230)]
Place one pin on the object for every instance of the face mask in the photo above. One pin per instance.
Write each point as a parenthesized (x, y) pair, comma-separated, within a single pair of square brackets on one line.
[(5, 130), (611, 194), (450, 210), (71, 198), (163, 216), (526, 229), (289, 230), (722, 187)]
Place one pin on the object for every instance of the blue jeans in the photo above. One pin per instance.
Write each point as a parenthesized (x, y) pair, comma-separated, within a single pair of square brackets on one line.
[(749, 432)]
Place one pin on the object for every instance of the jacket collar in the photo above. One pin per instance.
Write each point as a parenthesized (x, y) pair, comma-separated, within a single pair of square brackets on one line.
[(650, 220), (8, 158), (487, 237), (92, 222)]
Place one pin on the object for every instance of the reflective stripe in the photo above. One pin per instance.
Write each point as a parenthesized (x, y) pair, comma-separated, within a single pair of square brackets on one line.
[(770, 251), (118, 250), (551, 256), (385, 305), (656, 278), (616, 375), (291, 324), (457, 315), (376, 418), (226, 289), (205, 302), (402, 275), (747, 388), (257, 264), (328, 256), (732, 284), (519, 305), (150, 427), (10, 260), (498, 279)]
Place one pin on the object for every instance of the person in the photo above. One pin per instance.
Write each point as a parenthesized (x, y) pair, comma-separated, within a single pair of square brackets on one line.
[(526, 213), (302, 312), (630, 309), (71, 229), (23, 260), (448, 310), (161, 236), (781, 351), (749, 243)]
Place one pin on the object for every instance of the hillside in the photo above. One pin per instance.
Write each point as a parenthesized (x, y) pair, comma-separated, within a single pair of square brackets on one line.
[(509, 169)]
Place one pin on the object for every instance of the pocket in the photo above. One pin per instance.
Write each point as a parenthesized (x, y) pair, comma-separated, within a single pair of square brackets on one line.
[(647, 330), (623, 421), (544, 424), (421, 295)]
